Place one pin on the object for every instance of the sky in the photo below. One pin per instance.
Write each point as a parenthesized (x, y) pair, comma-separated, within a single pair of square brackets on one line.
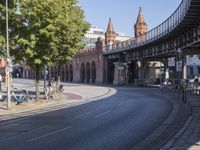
[(124, 13)]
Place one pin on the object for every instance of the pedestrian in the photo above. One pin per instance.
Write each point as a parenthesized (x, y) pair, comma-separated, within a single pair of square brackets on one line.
[(196, 79), (17, 75), (1, 79)]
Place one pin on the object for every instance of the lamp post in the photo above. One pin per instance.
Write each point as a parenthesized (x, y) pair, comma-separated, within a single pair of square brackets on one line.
[(45, 73), (9, 64)]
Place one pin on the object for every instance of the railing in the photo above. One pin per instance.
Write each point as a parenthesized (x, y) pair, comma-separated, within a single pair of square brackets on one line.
[(161, 30), (188, 92)]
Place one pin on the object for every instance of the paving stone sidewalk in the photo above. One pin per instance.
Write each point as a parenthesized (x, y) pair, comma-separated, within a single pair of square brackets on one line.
[(188, 137)]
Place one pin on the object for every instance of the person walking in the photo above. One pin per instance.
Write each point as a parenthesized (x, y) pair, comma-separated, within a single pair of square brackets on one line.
[(196, 80), (1, 79)]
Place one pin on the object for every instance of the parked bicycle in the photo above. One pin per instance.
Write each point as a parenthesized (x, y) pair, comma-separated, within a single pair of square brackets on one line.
[(53, 89), (20, 96)]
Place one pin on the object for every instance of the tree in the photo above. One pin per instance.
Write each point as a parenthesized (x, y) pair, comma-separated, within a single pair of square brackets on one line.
[(48, 32)]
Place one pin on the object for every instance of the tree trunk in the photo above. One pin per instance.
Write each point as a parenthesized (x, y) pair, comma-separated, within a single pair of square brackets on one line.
[(37, 83)]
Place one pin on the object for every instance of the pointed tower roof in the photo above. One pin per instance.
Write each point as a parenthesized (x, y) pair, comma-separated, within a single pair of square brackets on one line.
[(140, 26), (110, 28), (110, 34), (140, 18)]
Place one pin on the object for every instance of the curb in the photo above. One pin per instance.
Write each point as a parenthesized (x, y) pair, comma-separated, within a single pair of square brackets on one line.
[(53, 107), (173, 140)]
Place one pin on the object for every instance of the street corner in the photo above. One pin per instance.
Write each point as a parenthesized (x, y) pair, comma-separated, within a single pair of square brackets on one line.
[(72, 96)]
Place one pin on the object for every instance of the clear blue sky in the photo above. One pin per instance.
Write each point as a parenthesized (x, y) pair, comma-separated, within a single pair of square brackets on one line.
[(124, 12)]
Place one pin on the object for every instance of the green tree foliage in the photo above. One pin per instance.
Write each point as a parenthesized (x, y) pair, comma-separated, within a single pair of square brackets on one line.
[(48, 32), (3, 23)]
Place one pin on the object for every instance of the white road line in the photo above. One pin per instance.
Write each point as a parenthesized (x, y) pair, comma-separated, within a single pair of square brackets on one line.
[(12, 137), (121, 103), (100, 115), (89, 112), (51, 133)]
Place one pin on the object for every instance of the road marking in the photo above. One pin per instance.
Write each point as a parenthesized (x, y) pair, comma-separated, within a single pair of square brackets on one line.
[(121, 103), (102, 114), (51, 133), (15, 136), (89, 112)]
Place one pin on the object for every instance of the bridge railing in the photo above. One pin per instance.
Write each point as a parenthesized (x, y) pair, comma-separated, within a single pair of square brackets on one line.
[(161, 30)]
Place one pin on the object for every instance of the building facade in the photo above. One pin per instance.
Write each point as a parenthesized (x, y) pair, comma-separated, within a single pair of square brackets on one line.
[(89, 64)]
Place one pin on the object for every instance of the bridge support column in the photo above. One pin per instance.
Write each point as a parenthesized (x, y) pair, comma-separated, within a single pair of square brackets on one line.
[(141, 70), (166, 69), (184, 64), (119, 73)]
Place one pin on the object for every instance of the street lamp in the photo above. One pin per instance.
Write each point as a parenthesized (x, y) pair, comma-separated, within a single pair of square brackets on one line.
[(9, 64), (45, 73)]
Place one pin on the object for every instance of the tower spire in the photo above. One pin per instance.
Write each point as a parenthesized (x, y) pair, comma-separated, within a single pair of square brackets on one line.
[(140, 18), (140, 25), (110, 28), (110, 34)]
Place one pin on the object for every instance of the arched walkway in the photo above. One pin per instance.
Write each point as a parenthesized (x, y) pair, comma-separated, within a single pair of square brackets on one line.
[(62, 74), (29, 74), (70, 73), (66, 73), (52, 73), (55, 72), (87, 72), (93, 72), (82, 72), (110, 71)]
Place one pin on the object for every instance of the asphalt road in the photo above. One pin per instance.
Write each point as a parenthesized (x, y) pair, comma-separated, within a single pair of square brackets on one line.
[(115, 123)]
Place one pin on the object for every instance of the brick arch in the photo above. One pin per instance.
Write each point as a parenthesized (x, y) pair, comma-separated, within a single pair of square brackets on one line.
[(87, 72), (70, 73), (82, 73), (110, 74), (62, 77), (55, 72), (93, 72), (52, 72), (66, 73)]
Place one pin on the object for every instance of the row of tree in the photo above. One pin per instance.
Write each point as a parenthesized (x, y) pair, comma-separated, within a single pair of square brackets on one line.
[(48, 32)]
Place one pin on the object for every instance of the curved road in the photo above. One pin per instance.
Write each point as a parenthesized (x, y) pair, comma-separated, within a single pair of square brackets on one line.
[(118, 122)]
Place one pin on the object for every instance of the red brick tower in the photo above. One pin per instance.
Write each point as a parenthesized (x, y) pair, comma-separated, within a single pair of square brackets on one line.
[(140, 25), (110, 34)]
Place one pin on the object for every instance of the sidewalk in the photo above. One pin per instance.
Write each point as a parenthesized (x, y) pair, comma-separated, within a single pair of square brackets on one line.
[(188, 137), (74, 94)]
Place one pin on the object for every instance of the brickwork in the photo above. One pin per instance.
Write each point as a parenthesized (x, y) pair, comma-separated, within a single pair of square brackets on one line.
[(140, 25)]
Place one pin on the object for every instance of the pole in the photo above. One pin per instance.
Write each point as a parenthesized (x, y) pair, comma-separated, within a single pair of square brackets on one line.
[(176, 75), (126, 74), (44, 81), (8, 60)]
